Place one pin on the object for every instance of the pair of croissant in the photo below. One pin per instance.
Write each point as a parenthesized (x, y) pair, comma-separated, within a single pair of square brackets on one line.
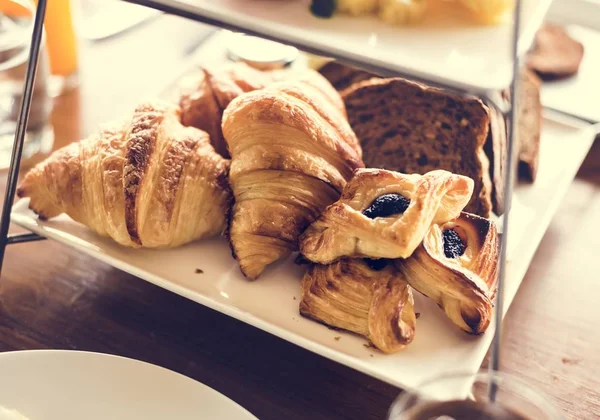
[(151, 181), (389, 231), (206, 94)]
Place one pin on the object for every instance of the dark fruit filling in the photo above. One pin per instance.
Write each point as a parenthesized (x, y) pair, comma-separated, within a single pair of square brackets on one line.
[(454, 247), (387, 205), (376, 265), (322, 8)]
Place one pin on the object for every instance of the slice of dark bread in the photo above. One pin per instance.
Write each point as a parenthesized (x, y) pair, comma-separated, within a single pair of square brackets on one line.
[(529, 125), (408, 127), (342, 76), (495, 149)]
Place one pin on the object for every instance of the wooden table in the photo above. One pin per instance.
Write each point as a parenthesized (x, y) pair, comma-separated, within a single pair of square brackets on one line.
[(53, 297)]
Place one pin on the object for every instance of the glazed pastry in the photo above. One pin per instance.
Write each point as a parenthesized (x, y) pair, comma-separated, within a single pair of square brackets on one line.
[(402, 12), (384, 214), (206, 94), (456, 266), (488, 11), (356, 7), (292, 153), (367, 298), (145, 182)]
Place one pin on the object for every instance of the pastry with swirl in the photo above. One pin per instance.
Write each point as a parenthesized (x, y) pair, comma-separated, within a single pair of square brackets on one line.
[(292, 152), (366, 297), (205, 94), (456, 266), (384, 214), (146, 181)]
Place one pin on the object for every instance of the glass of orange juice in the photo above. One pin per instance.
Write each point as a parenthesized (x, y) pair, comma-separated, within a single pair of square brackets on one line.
[(61, 44)]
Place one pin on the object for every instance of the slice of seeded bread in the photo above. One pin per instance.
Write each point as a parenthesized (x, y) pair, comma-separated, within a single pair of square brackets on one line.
[(408, 127)]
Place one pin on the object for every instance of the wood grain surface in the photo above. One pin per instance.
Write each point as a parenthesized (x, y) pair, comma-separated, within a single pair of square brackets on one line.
[(53, 297)]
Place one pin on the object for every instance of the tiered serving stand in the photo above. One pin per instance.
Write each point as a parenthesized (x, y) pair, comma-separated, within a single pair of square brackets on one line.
[(469, 60)]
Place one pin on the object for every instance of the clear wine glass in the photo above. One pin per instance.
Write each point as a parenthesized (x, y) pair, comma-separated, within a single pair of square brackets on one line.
[(467, 396)]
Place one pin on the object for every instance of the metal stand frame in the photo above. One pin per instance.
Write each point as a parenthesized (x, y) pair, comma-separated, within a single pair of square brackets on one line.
[(177, 8)]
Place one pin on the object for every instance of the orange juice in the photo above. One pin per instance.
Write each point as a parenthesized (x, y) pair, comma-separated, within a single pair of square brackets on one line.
[(61, 42), (10, 8), (60, 38)]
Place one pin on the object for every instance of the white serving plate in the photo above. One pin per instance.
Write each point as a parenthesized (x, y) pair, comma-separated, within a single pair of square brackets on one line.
[(75, 385), (579, 12), (271, 303), (443, 49)]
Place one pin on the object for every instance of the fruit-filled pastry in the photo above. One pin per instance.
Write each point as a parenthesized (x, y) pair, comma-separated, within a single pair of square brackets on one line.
[(456, 266), (384, 214)]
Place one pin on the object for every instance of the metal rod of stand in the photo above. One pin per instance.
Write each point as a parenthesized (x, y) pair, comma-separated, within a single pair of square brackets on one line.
[(15, 160), (21, 238), (508, 192)]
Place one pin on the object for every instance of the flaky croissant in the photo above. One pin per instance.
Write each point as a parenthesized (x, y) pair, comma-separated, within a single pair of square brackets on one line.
[(456, 266), (206, 94), (384, 214), (146, 181), (370, 300), (292, 153)]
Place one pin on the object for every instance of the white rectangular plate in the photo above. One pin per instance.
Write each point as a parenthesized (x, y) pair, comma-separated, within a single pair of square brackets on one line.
[(444, 48), (271, 303)]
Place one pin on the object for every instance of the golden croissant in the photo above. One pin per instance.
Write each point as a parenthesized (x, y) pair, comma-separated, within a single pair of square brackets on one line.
[(384, 214), (292, 153), (146, 181), (206, 94), (456, 266), (367, 298)]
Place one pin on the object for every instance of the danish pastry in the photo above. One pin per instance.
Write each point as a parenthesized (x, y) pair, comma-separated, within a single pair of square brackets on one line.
[(367, 298), (384, 214), (456, 266), (292, 153), (145, 182)]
